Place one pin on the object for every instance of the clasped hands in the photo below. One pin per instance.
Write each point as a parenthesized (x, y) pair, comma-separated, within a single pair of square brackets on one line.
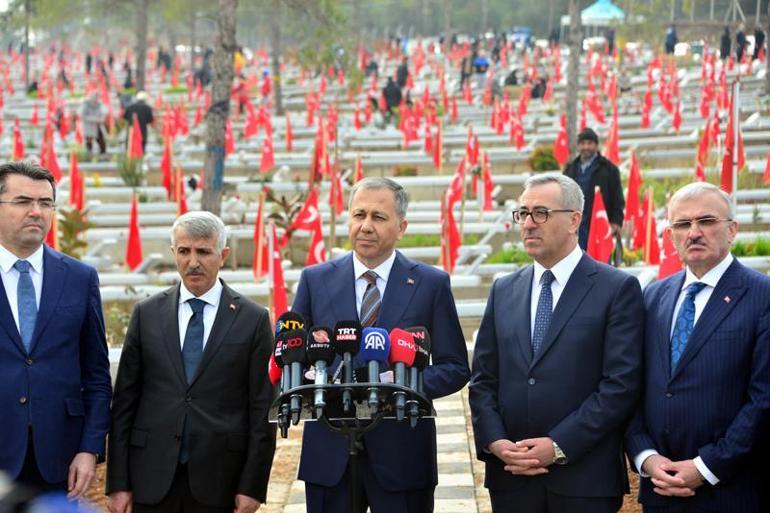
[(672, 478), (529, 457)]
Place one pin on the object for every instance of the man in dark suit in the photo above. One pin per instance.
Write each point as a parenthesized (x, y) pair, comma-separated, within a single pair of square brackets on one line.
[(590, 169), (189, 417), (54, 371), (699, 438), (556, 367), (380, 287)]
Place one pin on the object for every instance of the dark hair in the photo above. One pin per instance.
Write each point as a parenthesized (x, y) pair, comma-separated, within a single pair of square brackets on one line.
[(26, 168)]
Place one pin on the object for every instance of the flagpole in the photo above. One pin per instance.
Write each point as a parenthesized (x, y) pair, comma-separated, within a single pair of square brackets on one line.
[(648, 226), (260, 233), (271, 272), (736, 131)]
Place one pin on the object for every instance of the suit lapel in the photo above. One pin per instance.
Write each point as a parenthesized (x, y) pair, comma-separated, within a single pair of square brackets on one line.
[(54, 276), (229, 304), (7, 322), (730, 285), (402, 283), (341, 288), (517, 301), (577, 287), (665, 316), (169, 324)]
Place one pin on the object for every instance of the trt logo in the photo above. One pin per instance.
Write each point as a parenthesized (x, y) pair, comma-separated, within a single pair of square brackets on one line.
[(288, 325), (294, 342), (374, 341), (346, 333)]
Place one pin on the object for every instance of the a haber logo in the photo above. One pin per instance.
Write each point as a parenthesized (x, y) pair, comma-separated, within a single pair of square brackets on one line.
[(346, 333), (374, 341), (289, 324), (294, 342)]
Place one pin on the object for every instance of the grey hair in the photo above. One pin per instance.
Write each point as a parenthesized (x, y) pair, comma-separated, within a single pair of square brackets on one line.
[(696, 189), (381, 182), (571, 193), (201, 224)]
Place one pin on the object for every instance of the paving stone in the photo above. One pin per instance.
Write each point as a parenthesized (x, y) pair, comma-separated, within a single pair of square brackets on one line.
[(464, 479), (454, 492)]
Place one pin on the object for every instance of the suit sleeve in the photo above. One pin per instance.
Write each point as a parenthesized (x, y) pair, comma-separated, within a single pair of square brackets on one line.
[(128, 392), (610, 406), (449, 370), (614, 197), (95, 373), (727, 455), (487, 422), (259, 459), (302, 304)]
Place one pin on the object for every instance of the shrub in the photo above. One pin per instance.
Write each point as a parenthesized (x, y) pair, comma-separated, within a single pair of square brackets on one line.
[(542, 159)]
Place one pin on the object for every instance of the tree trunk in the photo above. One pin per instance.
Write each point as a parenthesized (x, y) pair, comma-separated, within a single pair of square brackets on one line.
[(484, 16), (193, 40), (141, 42), (357, 28), (26, 46), (447, 23), (222, 80), (551, 10), (276, 43), (573, 73)]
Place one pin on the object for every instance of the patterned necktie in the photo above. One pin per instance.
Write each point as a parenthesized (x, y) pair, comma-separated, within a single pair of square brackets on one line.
[(544, 312), (685, 321), (371, 302), (27, 304), (192, 350)]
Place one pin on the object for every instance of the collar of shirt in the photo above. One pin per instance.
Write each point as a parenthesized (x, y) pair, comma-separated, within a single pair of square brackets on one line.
[(562, 270), (585, 164), (7, 259), (382, 270), (211, 297), (712, 277)]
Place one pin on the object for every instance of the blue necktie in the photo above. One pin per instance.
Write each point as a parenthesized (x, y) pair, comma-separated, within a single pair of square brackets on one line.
[(192, 350), (544, 312), (27, 304), (685, 321)]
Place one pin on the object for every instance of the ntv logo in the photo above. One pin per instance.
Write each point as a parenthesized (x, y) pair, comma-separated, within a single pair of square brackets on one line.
[(374, 341)]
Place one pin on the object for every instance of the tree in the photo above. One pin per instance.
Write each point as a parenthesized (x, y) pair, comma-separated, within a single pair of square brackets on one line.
[(277, 50), (141, 42), (573, 72), (216, 117)]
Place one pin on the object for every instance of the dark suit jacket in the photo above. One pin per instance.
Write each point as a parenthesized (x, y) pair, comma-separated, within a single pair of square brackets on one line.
[(62, 388), (231, 442), (416, 294), (579, 390), (716, 404)]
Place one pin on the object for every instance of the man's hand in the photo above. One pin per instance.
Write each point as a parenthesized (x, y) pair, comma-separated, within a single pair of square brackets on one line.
[(120, 502), (517, 458), (540, 449), (246, 504), (667, 480), (82, 471), (687, 472)]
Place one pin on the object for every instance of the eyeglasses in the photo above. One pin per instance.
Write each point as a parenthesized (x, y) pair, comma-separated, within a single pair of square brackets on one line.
[(45, 204), (683, 225), (539, 215)]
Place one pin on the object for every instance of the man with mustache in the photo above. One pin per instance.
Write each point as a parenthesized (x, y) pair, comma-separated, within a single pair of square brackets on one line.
[(380, 287), (556, 366), (54, 370), (699, 437), (189, 417)]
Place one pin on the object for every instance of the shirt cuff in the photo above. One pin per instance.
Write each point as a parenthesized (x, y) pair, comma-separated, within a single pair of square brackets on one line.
[(640, 458), (704, 471)]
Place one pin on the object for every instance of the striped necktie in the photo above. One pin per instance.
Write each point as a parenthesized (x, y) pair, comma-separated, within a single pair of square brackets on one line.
[(371, 302)]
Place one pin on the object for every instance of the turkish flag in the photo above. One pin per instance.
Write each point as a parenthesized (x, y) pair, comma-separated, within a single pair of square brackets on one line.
[(317, 251), (646, 233), (78, 131), (600, 241), (438, 147), (357, 118), (309, 218), (472, 148), (52, 237), (677, 120), (76, 183), (450, 235), (358, 175), (561, 146), (517, 132), (251, 127), (428, 144), (289, 133), (260, 261), (611, 147), (198, 115), (18, 141), (336, 200), (766, 176), (135, 150), (229, 139), (165, 168), (280, 301), (730, 148), (267, 161), (453, 110), (634, 185), (489, 185), (134, 242), (34, 119), (181, 195), (669, 260)]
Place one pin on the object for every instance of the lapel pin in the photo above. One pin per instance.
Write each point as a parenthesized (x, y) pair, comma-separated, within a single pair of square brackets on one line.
[(232, 307), (409, 281), (727, 299)]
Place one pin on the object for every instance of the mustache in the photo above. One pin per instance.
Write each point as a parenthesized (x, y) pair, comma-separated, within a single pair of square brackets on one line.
[(32, 223), (697, 240), (194, 271)]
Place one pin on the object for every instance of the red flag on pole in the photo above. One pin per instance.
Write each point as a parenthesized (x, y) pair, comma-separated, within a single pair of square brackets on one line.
[(309, 218), (267, 161), (134, 243), (766, 176), (280, 302), (76, 183), (489, 185), (561, 146), (260, 265), (34, 119), (634, 185), (229, 138), (730, 149), (669, 262), (611, 148), (600, 241), (181, 196), (646, 236), (52, 237), (165, 167), (438, 147), (358, 175), (289, 133), (18, 141), (135, 150)]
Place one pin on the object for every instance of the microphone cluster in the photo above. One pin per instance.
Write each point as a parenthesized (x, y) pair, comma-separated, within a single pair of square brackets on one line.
[(371, 351)]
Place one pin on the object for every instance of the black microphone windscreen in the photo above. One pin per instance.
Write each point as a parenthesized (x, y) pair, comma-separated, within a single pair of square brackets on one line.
[(347, 337), (293, 346), (289, 321), (320, 345), (422, 346)]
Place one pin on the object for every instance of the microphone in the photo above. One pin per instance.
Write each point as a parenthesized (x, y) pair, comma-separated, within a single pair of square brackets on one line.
[(293, 343), (320, 354), (347, 339), (402, 352), (283, 377), (375, 347), (274, 372), (287, 321), (421, 359)]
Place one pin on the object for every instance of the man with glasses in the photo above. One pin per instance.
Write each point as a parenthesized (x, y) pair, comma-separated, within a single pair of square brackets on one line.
[(556, 367), (699, 437), (54, 371)]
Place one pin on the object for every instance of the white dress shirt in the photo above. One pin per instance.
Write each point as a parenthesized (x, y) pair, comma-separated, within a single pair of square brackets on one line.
[(211, 298), (711, 279), (382, 271), (562, 270), (11, 277)]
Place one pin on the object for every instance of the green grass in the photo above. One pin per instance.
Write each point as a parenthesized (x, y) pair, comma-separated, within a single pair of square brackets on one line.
[(175, 89), (513, 255), (759, 247)]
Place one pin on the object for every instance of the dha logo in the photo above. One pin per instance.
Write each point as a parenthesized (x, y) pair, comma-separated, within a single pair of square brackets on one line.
[(374, 341), (402, 342)]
